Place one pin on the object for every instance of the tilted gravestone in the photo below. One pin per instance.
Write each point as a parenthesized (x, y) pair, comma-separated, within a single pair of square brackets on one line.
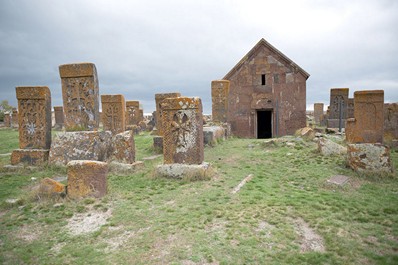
[(219, 96), (80, 95), (113, 113), (34, 104)]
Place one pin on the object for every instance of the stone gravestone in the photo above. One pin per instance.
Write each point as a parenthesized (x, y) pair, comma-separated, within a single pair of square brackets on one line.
[(113, 113), (34, 104), (219, 96), (367, 126), (7, 119), (183, 130), (158, 99), (14, 118), (132, 112), (350, 108), (391, 124), (318, 112), (59, 116), (80, 94), (338, 98)]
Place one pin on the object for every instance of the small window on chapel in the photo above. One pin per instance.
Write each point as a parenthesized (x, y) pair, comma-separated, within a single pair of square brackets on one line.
[(276, 78), (263, 79)]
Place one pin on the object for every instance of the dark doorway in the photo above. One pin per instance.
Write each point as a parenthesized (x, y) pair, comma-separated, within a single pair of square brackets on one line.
[(264, 124)]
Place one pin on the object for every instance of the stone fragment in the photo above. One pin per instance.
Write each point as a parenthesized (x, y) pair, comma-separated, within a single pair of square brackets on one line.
[(368, 124), (306, 132), (159, 98), (124, 147), (87, 178), (59, 116), (186, 172), (183, 130), (123, 168), (87, 145), (29, 156), (80, 95), (338, 180), (219, 95), (113, 113), (213, 134), (369, 158), (49, 187), (327, 147)]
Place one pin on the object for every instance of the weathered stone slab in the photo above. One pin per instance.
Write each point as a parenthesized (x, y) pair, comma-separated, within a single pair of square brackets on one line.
[(369, 158), (219, 96), (159, 98), (338, 180), (87, 178), (59, 116), (183, 130), (184, 171), (80, 95), (49, 187), (29, 156), (338, 96), (14, 118), (318, 112), (327, 147), (7, 119), (158, 144), (125, 169), (390, 123), (368, 124), (124, 147), (34, 110), (212, 134), (335, 123), (132, 112), (68, 146), (114, 113)]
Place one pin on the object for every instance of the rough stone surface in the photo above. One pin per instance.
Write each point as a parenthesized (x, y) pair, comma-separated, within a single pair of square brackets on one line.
[(59, 116), (29, 156), (34, 110), (87, 178), (14, 118), (122, 168), (368, 124), (338, 180), (184, 171), (327, 147), (318, 112), (68, 146), (338, 95), (159, 98), (265, 79), (158, 144), (369, 158), (124, 147), (113, 113), (132, 112), (219, 96), (183, 130), (7, 119), (49, 187), (80, 95), (306, 132), (212, 134), (390, 123)]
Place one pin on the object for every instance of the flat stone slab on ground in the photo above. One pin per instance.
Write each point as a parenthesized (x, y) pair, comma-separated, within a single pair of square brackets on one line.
[(184, 171), (339, 180)]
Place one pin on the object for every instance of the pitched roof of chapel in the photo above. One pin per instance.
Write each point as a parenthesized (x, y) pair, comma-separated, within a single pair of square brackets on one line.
[(255, 49)]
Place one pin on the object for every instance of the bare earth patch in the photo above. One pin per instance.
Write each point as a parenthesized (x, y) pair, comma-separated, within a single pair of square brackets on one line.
[(309, 239), (121, 237), (28, 233), (91, 221)]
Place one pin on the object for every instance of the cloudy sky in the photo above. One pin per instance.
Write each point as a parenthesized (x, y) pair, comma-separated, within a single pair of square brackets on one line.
[(145, 47)]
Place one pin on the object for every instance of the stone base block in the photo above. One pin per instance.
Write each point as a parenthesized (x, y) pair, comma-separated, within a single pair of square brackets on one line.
[(29, 156), (83, 145), (158, 144), (125, 169), (124, 147), (334, 123), (213, 134), (369, 158), (185, 172), (87, 178)]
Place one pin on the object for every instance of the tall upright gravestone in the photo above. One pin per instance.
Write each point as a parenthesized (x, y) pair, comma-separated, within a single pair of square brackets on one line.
[(34, 104), (219, 96), (14, 118), (80, 94), (183, 130), (338, 107), (132, 112), (318, 112), (113, 113), (159, 99)]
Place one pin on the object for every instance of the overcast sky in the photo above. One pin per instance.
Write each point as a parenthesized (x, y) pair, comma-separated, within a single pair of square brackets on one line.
[(145, 47)]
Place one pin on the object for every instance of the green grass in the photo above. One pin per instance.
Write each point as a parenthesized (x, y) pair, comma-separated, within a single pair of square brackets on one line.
[(163, 221)]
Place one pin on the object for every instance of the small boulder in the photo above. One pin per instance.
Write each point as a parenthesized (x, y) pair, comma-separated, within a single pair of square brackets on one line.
[(327, 147), (369, 158), (49, 188)]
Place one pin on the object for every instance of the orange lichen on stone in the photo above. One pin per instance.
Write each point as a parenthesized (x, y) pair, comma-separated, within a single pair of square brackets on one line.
[(50, 187), (77, 70), (29, 156), (158, 99), (87, 178), (219, 96), (114, 113)]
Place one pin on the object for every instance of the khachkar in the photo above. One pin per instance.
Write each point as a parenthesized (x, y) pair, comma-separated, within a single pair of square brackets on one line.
[(159, 99), (183, 140), (183, 130), (338, 107), (80, 94), (318, 113), (113, 113), (34, 118), (132, 112), (219, 96), (59, 117)]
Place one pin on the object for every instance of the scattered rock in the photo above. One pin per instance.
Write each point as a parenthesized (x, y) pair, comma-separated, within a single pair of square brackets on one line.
[(49, 188), (122, 168), (184, 171), (306, 132), (369, 158), (327, 147)]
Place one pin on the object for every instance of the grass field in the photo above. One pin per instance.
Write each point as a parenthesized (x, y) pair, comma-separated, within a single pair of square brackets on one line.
[(286, 214)]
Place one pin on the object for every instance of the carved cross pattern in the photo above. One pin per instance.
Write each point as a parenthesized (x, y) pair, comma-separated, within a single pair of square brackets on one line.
[(181, 126), (336, 103)]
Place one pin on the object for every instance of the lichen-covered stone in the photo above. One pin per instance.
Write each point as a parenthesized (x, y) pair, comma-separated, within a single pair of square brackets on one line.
[(158, 99), (318, 113), (114, 113), (59, 116), (87, 178), (219, 96), (327, 147), (158, 144), (183, 130), (29, 156), (86, 145), (184, 171), (369, 158), (49, 187), (124, 147)]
